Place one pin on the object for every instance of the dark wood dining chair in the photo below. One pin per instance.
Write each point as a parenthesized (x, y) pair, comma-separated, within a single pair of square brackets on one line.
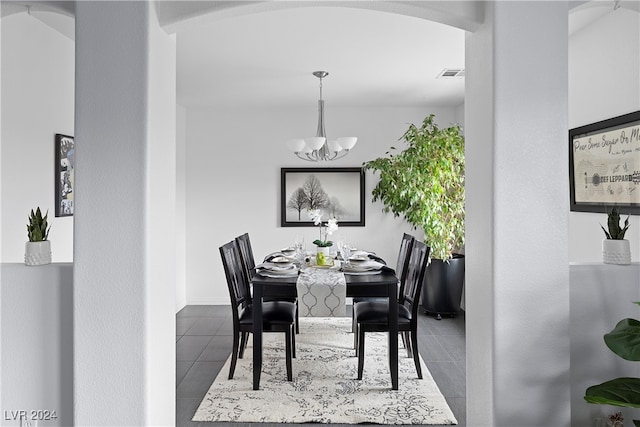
[(246, 253), (401, 268), (249, 264), (373, 316), (277, 316)]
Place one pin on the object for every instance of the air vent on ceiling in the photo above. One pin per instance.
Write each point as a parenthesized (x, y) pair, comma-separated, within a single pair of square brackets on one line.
[(451, 73)]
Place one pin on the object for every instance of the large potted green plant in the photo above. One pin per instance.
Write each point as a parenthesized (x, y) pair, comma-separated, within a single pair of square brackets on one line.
[(623, 340), (37, 250), (615, 248), (424, 183)]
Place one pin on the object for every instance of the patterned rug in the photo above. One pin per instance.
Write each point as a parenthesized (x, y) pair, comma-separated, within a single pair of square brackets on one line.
[(324, 388)]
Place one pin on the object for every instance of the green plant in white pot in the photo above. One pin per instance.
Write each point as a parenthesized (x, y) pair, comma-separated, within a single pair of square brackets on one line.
[(38, 248), (424, 184), (624, 341), (615, 248)]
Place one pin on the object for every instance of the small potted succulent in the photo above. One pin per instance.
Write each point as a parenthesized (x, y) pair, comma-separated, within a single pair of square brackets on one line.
[(615, 248), (38, 249)]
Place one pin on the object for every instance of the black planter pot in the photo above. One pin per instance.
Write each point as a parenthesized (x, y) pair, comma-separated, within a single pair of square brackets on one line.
[(442, 287)]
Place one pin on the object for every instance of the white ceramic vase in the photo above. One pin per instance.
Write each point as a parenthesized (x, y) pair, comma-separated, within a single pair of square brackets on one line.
[(616, 251), (37, 253)]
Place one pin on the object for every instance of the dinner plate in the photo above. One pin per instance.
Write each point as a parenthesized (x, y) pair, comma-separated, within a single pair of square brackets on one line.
[(278, 267), (278, 274), (360, 268), (362, 273), (280, 260)]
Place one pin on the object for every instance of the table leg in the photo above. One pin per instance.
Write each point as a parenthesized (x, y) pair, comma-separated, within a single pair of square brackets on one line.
[(257, 334), (393, 334)]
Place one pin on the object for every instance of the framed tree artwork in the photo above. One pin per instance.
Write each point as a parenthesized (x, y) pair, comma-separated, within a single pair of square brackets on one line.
[(337, 192), (64, 176)]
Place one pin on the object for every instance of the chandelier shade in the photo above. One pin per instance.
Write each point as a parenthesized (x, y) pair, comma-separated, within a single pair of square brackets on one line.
[(319, 148)]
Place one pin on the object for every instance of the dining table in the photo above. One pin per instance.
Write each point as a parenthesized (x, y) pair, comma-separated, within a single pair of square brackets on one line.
[(382, 284)]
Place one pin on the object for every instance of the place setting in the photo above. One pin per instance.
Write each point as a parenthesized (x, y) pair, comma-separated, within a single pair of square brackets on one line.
[(359, 262), (362, 266), (278, 265)]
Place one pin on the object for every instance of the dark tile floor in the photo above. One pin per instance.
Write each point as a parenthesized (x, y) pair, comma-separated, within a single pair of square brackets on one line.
[(203, 343)]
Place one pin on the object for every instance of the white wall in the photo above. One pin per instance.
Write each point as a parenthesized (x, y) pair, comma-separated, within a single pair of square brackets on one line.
[(517, 279), (233, 181), (37, 342), (161, 233), (37, 103), (124, 286), (604, 82), (181, 146), (479, 224)]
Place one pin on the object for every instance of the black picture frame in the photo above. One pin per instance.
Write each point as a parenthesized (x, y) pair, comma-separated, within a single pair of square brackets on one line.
[(64, 174), (343, 189), (604, 165)]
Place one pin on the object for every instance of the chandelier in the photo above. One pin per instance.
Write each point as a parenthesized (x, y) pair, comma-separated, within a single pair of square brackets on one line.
[(318, 148)]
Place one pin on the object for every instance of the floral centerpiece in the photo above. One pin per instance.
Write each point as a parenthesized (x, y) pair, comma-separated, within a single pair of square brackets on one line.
[(326, 230)]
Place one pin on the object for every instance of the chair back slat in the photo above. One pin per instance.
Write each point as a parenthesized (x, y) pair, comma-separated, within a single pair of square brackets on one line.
[(246, 254), (403, 261), (236, 278), (416, 268)]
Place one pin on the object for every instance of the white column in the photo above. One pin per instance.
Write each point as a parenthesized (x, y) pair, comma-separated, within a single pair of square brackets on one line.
[(161, 228), (518, 280), (124, 243), (1, 192)]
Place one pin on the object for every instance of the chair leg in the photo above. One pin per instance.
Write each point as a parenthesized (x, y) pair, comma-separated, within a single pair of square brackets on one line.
[(416, 356), (360, 352), (234, 353), (293, 343), (353, 322), (288, 338), (407, 340), (355, 337), (297, 320), (354, 329), (243, 343)]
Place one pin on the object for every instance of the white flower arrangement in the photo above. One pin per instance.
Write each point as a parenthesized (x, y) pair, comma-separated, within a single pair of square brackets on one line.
[(325, 231)]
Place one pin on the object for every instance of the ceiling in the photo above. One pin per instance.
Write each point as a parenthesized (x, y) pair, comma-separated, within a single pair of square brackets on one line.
[(266, 59)]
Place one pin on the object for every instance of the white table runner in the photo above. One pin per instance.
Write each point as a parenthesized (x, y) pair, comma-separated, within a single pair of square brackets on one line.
[(321, 292)]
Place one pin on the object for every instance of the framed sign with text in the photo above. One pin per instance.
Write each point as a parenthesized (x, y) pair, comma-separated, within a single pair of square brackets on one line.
[(604, 165)]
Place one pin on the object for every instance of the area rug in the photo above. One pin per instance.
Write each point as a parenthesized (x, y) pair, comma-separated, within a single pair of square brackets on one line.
[(324, 388)]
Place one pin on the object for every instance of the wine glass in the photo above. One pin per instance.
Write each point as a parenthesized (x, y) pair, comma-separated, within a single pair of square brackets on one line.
[(345, 250), (300, 247), (340, 244)]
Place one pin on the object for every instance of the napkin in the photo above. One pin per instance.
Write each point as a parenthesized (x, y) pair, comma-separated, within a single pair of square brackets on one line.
[(371, 255), (272, 255), (275, 267)]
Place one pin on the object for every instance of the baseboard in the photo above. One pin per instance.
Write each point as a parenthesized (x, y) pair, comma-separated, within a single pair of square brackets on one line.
[(208, 301)]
